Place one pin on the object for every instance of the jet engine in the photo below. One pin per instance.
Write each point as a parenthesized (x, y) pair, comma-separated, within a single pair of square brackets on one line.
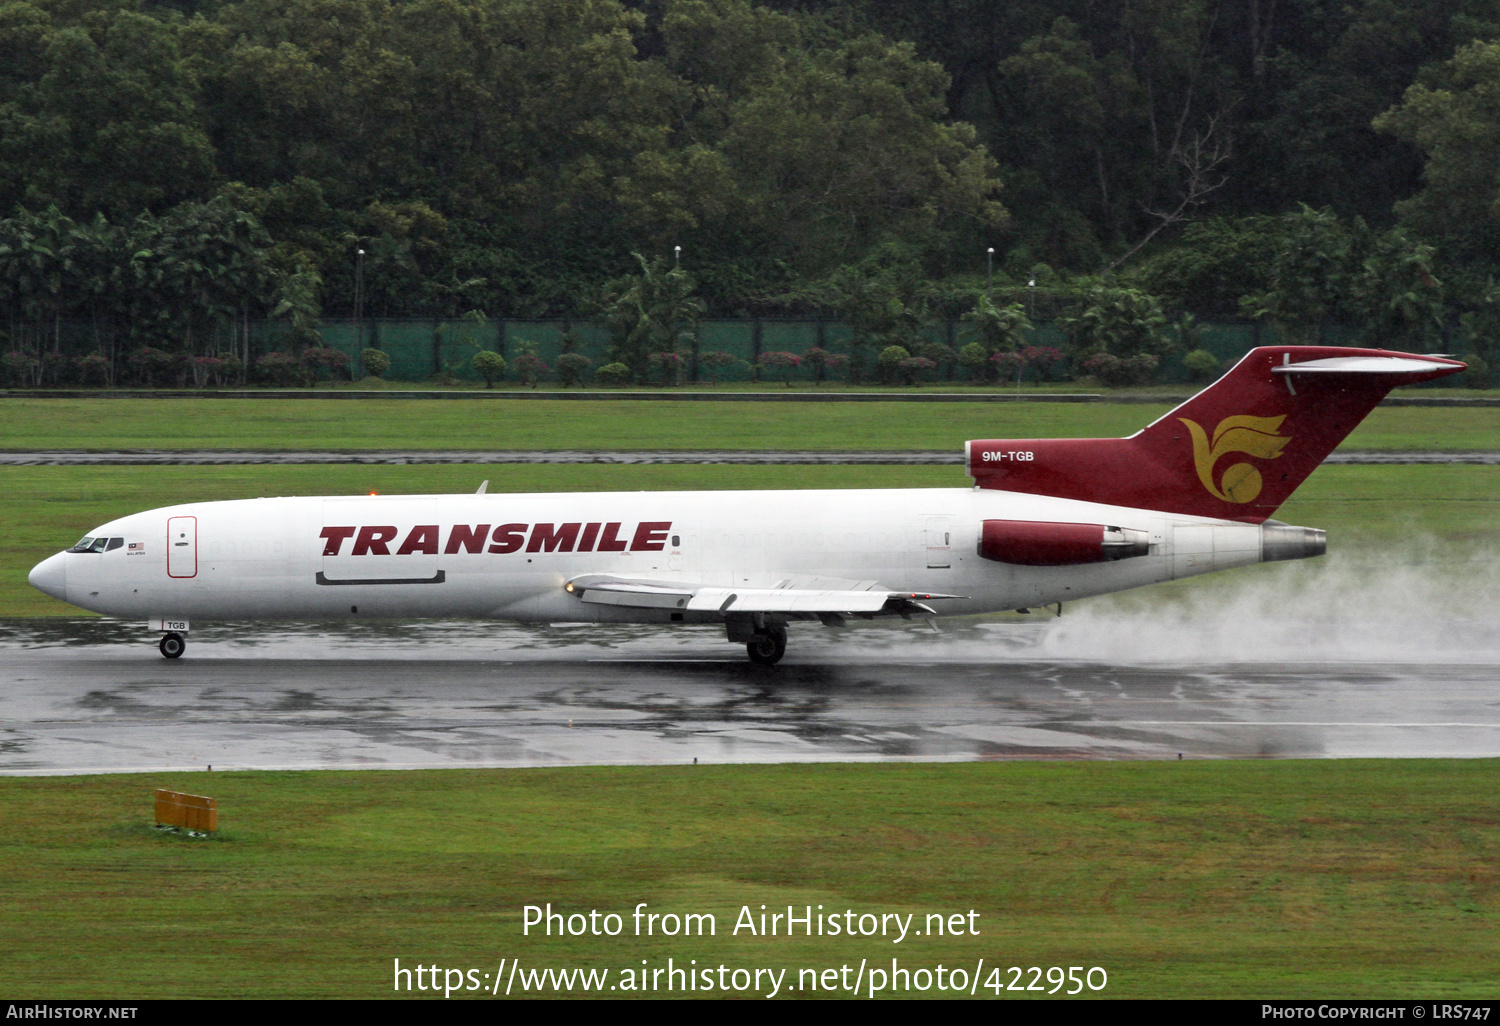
[(1044, 543)]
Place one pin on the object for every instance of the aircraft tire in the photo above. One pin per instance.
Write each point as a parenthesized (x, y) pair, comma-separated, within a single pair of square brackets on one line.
[(767, 647), (172, 645)]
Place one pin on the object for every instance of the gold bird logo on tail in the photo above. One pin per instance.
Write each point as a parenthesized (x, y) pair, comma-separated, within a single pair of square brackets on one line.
[(1254, 436)]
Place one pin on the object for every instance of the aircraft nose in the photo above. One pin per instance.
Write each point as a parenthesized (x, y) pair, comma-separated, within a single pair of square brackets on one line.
[(51, 576)]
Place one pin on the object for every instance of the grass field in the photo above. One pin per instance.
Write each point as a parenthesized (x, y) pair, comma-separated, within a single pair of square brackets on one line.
[(1226, 879), (543, 424), (49, 508)]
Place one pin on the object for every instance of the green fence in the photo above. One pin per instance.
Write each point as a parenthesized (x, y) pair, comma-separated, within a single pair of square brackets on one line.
[(422, 350), (426, 350)]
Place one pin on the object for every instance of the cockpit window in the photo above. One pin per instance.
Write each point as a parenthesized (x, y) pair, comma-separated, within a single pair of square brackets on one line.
[(97, 544)]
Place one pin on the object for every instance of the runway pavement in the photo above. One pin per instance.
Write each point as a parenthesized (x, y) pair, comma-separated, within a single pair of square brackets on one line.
[(94, 696)]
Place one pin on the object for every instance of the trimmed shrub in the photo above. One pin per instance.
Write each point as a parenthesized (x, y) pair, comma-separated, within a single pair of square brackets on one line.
[(781, 365), (975, 360), (714, 362), (281, 369), (943, 358), (529, 367), (914, 368), (1007, 365), (571, 367), (612, 374), (206, 369), (489, 365), (1117, 373), (817, 359), (93, 368), (1201, 364), (321, 358), (889, 363), (150, 364), (376, 362), (666, 367)]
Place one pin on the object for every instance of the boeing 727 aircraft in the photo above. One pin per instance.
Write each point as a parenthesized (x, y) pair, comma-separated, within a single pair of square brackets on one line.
[(1047, 521)]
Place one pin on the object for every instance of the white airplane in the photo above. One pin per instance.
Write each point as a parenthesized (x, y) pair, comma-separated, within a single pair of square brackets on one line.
[(1047, 521)]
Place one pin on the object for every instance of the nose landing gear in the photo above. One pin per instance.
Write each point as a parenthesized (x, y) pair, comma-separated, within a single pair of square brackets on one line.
[(172, 645), (767, 645)]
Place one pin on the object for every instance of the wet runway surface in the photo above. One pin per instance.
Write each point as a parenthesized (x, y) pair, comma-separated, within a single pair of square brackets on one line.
[(94, 696)]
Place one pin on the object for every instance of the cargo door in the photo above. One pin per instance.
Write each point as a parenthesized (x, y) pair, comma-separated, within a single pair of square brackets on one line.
[(939, 543), (380, 541), (182, 547)]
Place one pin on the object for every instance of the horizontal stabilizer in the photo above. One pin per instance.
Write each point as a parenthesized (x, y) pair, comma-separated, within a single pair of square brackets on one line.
[(1358, 365)]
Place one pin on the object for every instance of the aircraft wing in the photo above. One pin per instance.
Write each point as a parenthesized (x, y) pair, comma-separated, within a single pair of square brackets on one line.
[(808, 595)]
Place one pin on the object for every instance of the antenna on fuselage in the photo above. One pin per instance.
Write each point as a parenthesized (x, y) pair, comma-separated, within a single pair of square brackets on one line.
[(483, 486)]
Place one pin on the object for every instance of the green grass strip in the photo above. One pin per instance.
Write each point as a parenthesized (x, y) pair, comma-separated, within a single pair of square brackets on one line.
[(1321, 879), (395, 424)]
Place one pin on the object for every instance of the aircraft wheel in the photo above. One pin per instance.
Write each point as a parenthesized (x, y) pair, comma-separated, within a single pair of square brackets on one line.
[(172, 645), (767, 647)]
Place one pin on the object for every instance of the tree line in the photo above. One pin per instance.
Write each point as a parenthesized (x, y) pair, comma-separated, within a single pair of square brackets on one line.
[(174, 171)]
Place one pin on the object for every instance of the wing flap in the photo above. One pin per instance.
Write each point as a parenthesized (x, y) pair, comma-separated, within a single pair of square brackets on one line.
[(787, 600), (636, 594), (648, 594), (634, 599)]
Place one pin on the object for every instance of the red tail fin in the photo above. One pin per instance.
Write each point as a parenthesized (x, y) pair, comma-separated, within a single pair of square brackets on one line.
[(1234, 451)]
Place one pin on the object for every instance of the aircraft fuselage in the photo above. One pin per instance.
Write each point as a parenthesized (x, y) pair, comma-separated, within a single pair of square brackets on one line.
[(509, 556)]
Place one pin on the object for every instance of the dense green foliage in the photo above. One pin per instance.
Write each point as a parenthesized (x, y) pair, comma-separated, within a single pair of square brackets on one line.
[(172, 170), (1107, 116), (494, 153)]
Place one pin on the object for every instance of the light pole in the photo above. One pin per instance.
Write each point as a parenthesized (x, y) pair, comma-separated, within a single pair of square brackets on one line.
[(359, 307), (676, 258), (989, 273)]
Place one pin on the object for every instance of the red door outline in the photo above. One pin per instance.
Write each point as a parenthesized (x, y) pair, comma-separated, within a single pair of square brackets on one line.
[(175, 525)]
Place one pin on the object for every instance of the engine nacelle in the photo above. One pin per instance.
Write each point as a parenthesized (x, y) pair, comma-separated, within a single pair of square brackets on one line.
[(1280, 541), (1043, 543)]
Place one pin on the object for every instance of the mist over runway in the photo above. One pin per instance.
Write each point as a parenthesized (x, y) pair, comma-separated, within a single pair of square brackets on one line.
[(1332, 670)]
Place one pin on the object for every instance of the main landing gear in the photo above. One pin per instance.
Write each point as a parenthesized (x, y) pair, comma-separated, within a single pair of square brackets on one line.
[(767, 645), (173, 644)]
